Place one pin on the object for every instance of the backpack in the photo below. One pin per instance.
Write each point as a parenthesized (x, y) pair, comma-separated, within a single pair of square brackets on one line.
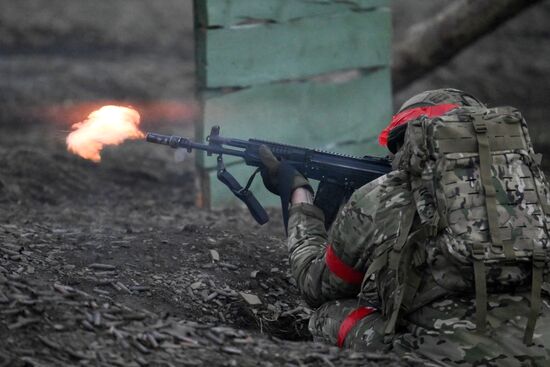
[(482, 205)]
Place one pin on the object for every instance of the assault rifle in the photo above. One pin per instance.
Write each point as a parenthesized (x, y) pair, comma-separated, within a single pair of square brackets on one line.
[(339, 174)]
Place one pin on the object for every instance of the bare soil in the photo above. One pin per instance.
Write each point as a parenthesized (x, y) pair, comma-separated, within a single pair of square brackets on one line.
[(111, 264)]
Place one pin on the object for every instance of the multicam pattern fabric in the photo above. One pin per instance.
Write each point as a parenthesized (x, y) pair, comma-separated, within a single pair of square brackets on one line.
[(367, 334), (445, 178), (371, 218), (441, 96), (445, 193), (443, 333)]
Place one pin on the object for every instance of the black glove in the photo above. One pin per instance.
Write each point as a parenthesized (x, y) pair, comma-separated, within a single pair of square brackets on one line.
[(276, 173)]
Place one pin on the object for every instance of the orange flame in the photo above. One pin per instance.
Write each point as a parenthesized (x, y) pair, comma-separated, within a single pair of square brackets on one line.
[(109, 125)]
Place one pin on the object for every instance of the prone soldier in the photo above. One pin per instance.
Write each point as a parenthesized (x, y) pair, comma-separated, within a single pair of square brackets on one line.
[(444, 259)]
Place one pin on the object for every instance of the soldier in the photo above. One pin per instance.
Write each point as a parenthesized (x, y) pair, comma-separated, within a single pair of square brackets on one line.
[(443, 260)]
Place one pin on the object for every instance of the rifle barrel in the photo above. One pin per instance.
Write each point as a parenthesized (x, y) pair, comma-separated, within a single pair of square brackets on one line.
[(181, 142)]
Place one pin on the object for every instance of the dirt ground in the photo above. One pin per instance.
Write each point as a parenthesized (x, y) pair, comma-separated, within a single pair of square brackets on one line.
[(111, 264)]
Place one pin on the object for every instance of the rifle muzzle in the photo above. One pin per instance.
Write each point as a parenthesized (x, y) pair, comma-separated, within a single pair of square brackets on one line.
[(170, 140)]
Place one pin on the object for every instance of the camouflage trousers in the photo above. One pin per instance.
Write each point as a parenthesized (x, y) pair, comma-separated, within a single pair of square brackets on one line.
[(443, 333)]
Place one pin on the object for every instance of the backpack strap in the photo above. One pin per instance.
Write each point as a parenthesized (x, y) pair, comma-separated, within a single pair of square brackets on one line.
[(382, 257), (485, 163), (408, 259), (391, 256), (539, 174), (480, 279), (478, 250), (539, 259)]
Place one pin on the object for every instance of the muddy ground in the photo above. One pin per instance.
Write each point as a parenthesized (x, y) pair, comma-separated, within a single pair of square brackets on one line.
[(110, 263)]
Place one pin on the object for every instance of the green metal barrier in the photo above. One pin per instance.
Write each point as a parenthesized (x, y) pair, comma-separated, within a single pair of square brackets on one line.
[(314, 74)]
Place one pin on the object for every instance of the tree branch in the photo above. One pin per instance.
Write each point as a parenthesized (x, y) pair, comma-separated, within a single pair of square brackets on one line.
[(434, 42)]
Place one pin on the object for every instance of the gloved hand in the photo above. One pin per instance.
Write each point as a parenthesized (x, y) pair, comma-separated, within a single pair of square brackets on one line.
[(271, 173)]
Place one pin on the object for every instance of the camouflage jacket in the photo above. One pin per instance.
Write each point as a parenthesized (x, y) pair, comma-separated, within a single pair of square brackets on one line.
[(330, 266)]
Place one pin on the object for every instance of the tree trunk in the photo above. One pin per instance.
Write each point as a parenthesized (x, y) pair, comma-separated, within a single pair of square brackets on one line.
[(434, 42)]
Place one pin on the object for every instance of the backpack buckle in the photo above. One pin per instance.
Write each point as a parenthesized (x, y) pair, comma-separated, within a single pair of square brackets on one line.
[(539, 257), (478, 251), (480, 126)]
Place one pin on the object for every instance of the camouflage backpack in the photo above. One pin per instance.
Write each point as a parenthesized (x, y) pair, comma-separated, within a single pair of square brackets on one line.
[(482, 206)]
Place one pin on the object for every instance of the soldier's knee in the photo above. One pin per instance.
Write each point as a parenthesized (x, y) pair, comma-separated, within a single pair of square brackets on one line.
[(348, 324)]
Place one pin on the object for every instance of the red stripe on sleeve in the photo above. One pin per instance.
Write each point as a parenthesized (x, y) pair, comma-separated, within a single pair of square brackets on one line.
[(350, 321), (341, 269)]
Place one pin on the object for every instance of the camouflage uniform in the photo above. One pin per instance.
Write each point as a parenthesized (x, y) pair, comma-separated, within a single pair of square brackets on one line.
[(439, 327), (441, 333)]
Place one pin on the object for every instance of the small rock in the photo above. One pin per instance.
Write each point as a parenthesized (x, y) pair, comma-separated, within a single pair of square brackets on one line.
[(251, 299), (232, 350), (196, 285), (229, 266), (123, 287), (215, 255), (211, 296), (99, 266)]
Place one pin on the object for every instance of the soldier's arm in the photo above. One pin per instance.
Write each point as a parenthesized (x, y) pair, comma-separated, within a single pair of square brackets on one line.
[(327, 267)]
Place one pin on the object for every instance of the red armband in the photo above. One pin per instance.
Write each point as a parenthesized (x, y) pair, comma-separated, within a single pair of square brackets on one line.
[(350, 321), (341, 269)]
